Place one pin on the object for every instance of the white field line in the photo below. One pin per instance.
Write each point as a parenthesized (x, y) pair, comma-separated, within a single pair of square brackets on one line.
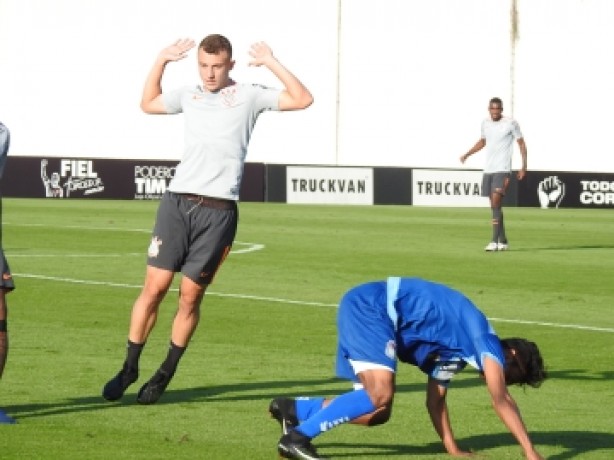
[(295, 302), (248, 247)]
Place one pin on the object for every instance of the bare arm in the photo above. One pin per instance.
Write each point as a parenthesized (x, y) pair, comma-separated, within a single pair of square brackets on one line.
[(151, 100), (523, 153), (438, 411), (506, 407), (295, 95), (479, 145)]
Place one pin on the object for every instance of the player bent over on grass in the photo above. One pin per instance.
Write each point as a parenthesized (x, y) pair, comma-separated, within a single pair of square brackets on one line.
[(197, 217), (424, 324)]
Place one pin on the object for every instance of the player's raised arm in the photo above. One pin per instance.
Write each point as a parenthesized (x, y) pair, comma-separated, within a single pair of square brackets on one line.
[(151, 100), (295, 95)]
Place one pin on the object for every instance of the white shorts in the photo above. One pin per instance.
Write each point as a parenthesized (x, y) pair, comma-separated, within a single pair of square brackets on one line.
[(360, 366)]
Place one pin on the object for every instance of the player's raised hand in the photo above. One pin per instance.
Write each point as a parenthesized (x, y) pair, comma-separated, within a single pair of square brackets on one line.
[(260, 53), (177, 50)]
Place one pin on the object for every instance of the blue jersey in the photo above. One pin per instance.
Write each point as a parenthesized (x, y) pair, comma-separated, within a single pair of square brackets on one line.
[(415, 321)]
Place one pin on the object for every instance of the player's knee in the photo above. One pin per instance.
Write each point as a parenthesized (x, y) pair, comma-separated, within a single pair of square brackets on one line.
[(381, 416), (381, 397), (190, 298)]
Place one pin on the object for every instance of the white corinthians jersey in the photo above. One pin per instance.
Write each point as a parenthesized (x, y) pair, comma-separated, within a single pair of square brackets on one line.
[(500, 136)]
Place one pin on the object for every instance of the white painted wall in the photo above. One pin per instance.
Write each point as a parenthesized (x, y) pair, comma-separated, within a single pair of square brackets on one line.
[(396, 82), (565, 83)]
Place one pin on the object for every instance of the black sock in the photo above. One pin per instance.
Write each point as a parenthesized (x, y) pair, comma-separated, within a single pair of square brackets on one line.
[(496, 224), (133, 353), (172, 359), (502, 237)]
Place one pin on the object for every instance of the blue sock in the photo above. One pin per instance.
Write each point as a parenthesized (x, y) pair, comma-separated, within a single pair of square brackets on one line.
[(342, 409), (306, 407)]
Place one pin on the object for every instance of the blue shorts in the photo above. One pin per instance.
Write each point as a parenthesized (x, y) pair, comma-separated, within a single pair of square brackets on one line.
[(365, 331)]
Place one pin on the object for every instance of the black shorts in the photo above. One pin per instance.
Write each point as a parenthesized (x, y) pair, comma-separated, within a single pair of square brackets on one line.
[(6, 279), (495, 182), (193, 235)]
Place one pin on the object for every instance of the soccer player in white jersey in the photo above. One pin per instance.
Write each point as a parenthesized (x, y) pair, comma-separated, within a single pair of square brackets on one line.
[(197, 218), (424, 324), (498, 135)]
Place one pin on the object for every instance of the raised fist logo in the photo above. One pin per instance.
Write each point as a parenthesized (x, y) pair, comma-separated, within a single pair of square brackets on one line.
[(550, 191)]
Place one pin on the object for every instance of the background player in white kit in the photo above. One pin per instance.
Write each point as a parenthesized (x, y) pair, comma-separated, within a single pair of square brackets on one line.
[(498, 135)]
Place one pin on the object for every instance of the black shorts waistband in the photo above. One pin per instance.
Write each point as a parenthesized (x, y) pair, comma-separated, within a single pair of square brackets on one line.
[(209, 202)]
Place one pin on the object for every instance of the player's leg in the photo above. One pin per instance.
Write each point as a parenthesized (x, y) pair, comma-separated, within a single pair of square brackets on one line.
[(142, 320), (500, 185), (4, 338), (145, 309), (165, 254), (184, 324), (369, 405), (6, 286), (212, 231), (487, 191), (188, 311), (364, 330), (495, 207), (290, 411)]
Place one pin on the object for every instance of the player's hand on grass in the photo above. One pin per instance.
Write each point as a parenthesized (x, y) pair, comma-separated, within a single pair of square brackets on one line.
[(533, 455), (177, 50), (455, 451)]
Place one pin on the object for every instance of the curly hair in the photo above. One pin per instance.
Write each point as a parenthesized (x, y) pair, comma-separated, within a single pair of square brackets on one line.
[(523, 363)]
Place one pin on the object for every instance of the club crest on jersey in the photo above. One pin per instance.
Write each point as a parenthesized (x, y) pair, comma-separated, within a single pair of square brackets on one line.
[(391, 349), (228, 96), (154, 247)]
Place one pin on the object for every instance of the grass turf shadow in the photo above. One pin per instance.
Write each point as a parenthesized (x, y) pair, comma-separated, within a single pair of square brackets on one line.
[(572, 444)]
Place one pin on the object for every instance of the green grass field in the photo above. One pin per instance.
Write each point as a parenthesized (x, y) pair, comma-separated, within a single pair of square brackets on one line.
[(267, 329)]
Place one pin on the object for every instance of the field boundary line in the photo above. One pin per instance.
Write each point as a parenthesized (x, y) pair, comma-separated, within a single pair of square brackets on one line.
[(295, 302)]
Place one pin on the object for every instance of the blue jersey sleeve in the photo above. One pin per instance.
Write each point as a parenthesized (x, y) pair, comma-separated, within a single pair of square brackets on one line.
[(489, 345)]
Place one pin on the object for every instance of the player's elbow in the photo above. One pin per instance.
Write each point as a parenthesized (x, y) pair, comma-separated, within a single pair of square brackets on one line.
[(152, 107), (298, 101), (306, 99)]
